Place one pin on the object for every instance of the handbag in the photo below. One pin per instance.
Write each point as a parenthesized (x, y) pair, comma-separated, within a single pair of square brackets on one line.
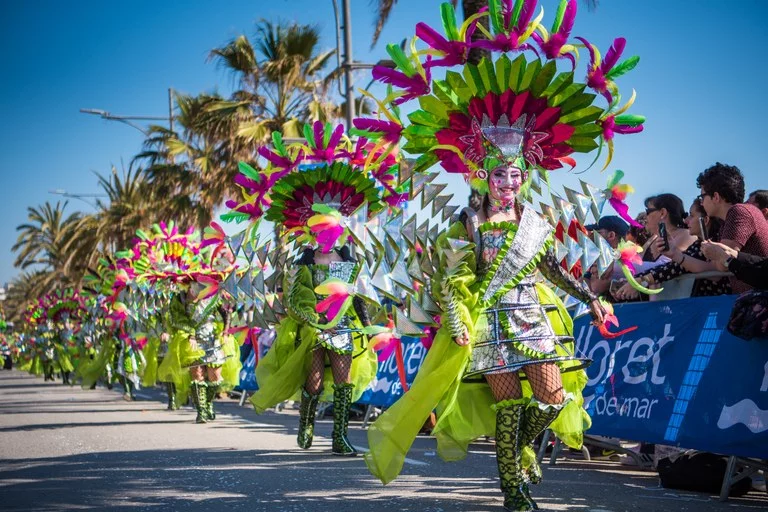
[(749, 318)]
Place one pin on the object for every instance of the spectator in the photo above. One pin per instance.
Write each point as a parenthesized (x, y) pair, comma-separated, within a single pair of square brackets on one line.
[(612, 228), (639, 235), (759, 198), (677, 267), (669, 209), (745, 228), (748, 268)]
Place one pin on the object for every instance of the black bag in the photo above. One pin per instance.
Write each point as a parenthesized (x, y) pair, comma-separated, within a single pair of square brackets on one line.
[(699, 472), (749, 318)]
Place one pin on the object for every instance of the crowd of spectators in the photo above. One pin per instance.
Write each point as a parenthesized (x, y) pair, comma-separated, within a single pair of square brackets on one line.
[(720, 243)]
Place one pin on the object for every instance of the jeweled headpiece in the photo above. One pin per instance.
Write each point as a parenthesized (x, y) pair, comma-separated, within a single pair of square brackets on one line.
[(522, 111)]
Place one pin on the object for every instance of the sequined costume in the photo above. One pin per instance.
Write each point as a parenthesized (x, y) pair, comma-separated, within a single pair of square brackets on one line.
[(516, 329)]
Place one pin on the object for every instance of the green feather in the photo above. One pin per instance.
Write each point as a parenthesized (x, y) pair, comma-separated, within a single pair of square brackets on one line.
[(310, 136), (248, 171), (141, 234), (401, 60), (630, 120), (326, 134), (449, 21), (615, 179), (637, 286), (236, 217), (559, 16), (516, 12), (497, 20), (623, 67), (277, 141)]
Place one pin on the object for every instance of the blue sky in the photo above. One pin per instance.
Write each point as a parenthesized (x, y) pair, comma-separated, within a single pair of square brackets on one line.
[(700, 82)]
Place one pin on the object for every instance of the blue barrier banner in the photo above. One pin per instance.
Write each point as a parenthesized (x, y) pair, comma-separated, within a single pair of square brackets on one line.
[(680, 379), (386, 388)]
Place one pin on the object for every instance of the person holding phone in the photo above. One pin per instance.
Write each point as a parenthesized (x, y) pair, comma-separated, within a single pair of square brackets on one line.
[(665, 213), (699, 224)]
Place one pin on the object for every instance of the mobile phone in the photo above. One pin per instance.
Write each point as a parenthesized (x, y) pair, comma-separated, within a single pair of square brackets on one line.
[(663, 235), (703, 229)]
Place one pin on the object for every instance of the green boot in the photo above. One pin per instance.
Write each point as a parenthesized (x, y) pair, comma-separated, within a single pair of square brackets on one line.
[(170, 388), (536, 418), (509, 450), (307, 419), (342, 401), (128, 386), (211, 392), (199, 398)]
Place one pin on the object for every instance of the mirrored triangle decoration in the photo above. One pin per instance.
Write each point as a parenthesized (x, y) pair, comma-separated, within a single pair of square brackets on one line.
[(597, 196), (448, 212), (590, 252), (550, 214), (574, 252), (404, 325), (439, 203), (409, 230), (581, 203), (566, 209), (605, 261), (236, 242), (417, 313), (431, 191)]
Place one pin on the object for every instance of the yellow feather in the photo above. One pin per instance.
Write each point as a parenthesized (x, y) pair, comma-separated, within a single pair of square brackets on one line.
[(628, 104), (543, 31), (532, 26), (608, 159), (468, 21)]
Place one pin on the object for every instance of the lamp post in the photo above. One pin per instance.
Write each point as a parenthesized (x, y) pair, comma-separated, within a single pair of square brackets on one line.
[(129, 119), (82, 197)]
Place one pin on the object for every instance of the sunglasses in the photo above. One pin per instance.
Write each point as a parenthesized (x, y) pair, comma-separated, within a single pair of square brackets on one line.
[(649, 211), (701, 197)]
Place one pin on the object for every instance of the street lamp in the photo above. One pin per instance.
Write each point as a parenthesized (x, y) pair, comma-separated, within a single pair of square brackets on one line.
[(129, 119), (82, 197)]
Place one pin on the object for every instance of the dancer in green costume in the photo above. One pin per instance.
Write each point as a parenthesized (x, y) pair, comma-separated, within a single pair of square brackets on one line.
[(503, 362)]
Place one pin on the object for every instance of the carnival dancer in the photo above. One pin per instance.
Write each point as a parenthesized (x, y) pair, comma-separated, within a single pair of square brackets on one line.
[(503, 362), (318, 191), (200, 355)]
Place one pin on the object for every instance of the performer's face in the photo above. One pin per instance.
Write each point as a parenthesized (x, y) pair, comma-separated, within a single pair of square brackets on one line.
[(505, 182)]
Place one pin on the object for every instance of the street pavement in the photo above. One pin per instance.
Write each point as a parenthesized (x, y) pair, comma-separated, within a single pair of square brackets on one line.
[(63, 448)]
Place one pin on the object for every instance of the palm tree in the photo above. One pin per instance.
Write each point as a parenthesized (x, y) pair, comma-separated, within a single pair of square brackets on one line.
[(279, 78), (42, 244)]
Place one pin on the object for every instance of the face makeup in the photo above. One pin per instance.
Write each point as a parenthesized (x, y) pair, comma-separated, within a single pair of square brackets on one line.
[(504, 184)]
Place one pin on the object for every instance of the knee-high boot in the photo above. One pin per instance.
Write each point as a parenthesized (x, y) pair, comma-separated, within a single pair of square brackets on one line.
[(536, 418), (170, 388), (342, 402), (199, 398), (212, 390), (307, 419), (128, 386), (509, 450)]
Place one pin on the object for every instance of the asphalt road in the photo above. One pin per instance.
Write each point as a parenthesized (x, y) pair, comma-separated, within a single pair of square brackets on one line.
[(62, 448)]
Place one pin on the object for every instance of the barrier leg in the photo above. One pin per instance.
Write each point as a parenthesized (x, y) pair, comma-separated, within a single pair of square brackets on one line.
[(243, 397), (368, 413), (727, 480), (555, 451), (543, 447)]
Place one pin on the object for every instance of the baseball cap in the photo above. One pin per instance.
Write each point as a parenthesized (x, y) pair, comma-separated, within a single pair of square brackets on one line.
[(611, 223)]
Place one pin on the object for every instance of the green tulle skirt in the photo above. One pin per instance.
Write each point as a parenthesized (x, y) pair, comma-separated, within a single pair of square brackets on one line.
[(463, 407), (149, 379), (283, 371), (175, 365), (91, 372)]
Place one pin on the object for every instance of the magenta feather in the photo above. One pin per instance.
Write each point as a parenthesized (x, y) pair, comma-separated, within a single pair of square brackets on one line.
[(614, 54), (623, 210)]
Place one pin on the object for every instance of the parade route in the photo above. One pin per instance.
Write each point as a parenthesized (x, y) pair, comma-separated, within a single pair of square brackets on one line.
[(63, 448)]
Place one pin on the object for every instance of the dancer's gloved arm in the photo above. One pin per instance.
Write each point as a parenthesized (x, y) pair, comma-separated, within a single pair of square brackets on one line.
[(455, 272), (362, 311), (299, 295), (557, 275)]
